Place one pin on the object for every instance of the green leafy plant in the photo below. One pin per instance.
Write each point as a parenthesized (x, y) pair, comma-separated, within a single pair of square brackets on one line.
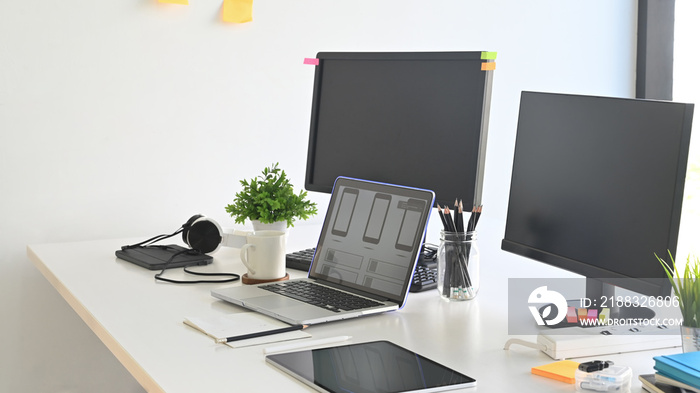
[(270, 198), (687, 288)]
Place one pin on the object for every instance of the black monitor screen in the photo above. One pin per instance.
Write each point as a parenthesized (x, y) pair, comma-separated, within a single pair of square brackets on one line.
[(414, 119), (597, 185)]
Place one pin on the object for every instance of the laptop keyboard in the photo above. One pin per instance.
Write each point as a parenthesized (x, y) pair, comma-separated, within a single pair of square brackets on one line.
[(320, 296), (424, 278)]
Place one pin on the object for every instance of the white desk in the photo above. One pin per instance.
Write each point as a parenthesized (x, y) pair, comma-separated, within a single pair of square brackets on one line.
[(140, 321)]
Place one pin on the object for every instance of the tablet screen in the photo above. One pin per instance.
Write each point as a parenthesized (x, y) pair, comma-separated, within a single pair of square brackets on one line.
[(378, 366)]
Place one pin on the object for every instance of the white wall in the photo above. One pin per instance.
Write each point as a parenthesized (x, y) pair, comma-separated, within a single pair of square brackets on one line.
[(123, 118)]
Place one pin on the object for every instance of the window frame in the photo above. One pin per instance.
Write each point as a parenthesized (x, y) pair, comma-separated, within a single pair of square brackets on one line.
[(655, 29)]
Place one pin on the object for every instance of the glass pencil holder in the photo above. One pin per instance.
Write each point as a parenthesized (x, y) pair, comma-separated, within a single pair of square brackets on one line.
[(458, 266)]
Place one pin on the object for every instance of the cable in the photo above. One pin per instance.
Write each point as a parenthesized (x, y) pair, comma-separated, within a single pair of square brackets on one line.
[(191, 251), (234, 276), (147, 243), (528, 344)]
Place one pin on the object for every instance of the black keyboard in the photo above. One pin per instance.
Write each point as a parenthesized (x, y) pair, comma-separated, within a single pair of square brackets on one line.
[(424, 278), (300, 260), (321, 296)]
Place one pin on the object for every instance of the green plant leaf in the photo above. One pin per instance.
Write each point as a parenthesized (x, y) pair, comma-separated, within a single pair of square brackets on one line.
[(686, 286), (269, 198)]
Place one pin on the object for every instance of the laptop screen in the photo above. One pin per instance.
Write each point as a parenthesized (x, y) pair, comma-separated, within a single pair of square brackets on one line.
[(371, 236)]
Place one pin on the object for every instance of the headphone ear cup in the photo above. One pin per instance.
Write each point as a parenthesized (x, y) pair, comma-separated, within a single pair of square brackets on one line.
[(204, 235), (186, 226)]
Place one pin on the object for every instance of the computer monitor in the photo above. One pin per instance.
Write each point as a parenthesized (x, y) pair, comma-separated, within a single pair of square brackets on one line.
[(597, 188), (417, 119)]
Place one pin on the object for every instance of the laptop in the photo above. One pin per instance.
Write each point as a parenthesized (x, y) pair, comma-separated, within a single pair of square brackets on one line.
[(368, 249)]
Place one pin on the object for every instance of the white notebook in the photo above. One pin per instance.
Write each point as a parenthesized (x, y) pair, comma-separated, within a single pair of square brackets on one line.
[(237, 324)]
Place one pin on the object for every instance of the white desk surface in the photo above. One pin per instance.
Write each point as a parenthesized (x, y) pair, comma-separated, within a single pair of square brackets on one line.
[(140, 321)]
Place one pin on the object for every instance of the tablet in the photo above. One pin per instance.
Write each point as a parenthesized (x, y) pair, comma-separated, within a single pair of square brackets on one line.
[(371, 367), (161, 257)]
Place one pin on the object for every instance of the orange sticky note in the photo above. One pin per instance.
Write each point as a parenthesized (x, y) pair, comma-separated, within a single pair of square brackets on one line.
[(490, 66), (237, 11), (582, 314), (183, 2), (564, 370)]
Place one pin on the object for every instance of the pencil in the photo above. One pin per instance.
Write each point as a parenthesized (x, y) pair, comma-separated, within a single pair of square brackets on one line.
[(442, 216), (478, 215), (261, 334), (460, 227), (459, 224), (472, 220), (450, 223)]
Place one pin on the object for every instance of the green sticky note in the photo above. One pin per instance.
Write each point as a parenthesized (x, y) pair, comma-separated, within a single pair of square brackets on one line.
[(488, 55)]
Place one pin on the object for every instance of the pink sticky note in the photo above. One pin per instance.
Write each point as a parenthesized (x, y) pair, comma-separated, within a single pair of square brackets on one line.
[(592, 314), (310, 61)]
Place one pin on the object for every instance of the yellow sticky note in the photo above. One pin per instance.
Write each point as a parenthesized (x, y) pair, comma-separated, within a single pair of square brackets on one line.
[(237, 11), (183, 2)]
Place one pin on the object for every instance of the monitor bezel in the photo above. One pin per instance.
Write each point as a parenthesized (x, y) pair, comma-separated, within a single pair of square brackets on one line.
[(476, 56)]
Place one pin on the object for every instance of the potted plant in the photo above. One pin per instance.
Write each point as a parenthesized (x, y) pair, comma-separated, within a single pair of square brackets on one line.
[(686, 286), (270, 199)]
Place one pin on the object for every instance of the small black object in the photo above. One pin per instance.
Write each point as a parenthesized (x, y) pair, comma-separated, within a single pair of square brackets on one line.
[(202, 234), (595, 365), (163, 257)]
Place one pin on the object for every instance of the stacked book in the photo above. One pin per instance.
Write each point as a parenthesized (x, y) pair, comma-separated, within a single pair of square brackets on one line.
[(674, 373)]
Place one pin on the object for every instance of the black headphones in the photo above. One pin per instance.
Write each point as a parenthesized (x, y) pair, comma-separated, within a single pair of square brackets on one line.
[(203, 235)]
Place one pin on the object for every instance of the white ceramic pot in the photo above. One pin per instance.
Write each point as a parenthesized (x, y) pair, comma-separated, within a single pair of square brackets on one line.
[(275, 226)]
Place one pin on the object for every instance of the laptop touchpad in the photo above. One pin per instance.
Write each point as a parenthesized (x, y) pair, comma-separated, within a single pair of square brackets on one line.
[(272, 302)]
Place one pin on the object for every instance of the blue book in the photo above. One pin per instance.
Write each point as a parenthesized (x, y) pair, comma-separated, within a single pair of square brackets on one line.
[(683, 367)]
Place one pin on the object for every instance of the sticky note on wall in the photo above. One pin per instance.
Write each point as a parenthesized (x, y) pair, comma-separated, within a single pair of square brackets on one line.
[(183, 2), (237, 11)]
